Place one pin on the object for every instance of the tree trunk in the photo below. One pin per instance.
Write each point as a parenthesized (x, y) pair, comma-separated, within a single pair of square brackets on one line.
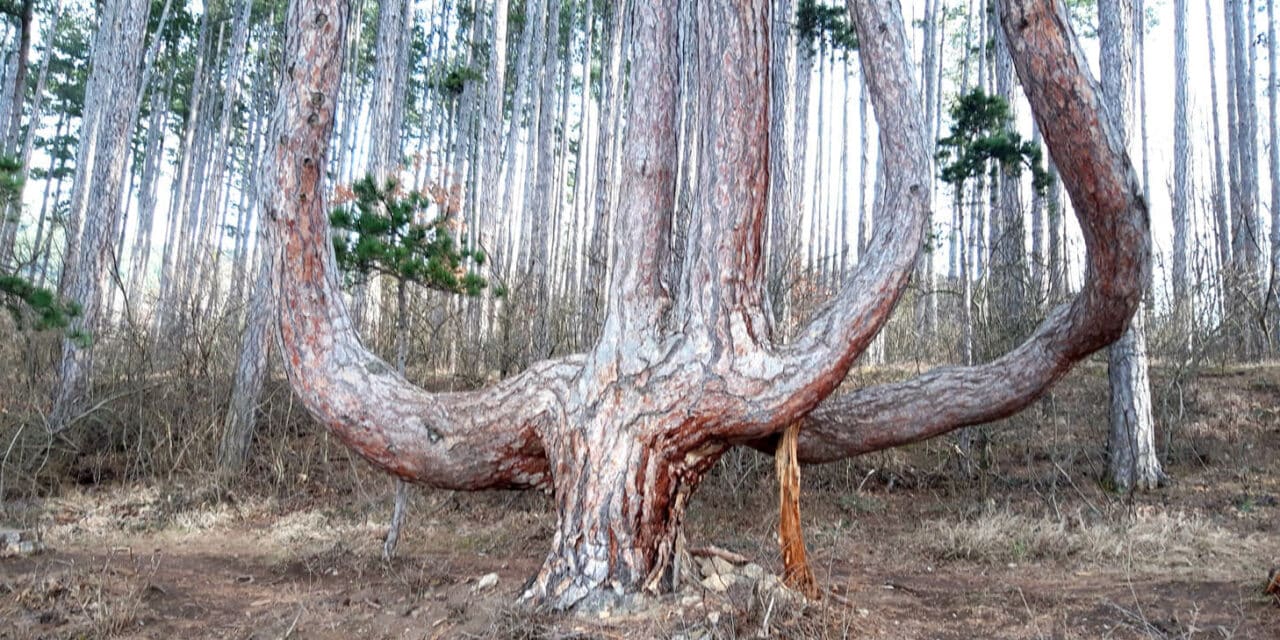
[(116, 56), (1183, 298), (12, 210), (1221, 215), (14, 126), (251, 367), (781, 213), (624, 433), (152, 155), (1131, 444), (1273, 117)]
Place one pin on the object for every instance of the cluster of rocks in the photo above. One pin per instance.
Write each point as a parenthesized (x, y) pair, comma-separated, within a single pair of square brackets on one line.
[(720, 572), (17, 542)]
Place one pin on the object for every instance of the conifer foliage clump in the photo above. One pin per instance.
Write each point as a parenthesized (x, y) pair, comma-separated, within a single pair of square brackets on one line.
[(388, 230)]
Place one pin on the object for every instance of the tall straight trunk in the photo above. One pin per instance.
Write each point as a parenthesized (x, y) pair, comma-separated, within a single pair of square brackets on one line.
[(927, 306), (239, 424), (814, 244), (1246, 240), (1221, 215), (178, 249), (1057, 285), (1183, 297), (117, 56), (13, 128), (800, 196), (845, 213), (489, 159), (1273, 116), (1037, 266), (540, 206), (610, 126), (44, 226), (220, 170), (152, 154), (42, 80), (384, 145), (781, 214), (85, 150), (1133, 463), (11, 210), (864, 146), (581, 163), (555, 261), (248, 200), (1008, 268), (385, 113)]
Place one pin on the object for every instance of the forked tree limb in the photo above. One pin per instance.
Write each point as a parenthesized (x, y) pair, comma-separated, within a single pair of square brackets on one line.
[(760, 387), (1088, 150), (477, 440)]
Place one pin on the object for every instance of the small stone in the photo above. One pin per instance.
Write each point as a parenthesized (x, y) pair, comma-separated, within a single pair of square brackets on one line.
[(723, 567), (717, 583), (753, 571), (864, 612), (769, 582), (706, 567), (488, 581), (689, 601), (713, 618)]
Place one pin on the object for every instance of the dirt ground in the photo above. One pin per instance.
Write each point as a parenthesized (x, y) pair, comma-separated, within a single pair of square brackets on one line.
[(908, 546)]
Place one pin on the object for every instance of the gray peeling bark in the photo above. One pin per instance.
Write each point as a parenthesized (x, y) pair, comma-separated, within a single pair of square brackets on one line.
[(1089, 153)]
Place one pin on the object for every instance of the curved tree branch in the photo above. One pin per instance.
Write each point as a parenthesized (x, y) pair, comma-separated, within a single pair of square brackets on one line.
[(479, 440), (1090, 155), (780, 383)]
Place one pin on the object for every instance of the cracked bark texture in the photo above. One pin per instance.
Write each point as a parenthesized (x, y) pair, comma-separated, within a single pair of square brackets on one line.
[(1089, 153), (623, 434)]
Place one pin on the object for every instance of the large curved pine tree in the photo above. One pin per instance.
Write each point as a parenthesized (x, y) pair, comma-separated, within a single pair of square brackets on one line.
[(686, 366)]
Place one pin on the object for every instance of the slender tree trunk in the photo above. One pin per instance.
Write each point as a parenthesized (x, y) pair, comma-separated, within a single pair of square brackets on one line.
[(152, 155), (240, 421), (610, 125), (781, 198), (117, 55), (177, 255), (11, 210), (14, 126), (1131, 445), (1273, 116), (1183, 297), (1221, 215), (44, 226)]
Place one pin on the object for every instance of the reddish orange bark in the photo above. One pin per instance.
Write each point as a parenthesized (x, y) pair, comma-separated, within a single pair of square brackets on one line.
[(796, 572)]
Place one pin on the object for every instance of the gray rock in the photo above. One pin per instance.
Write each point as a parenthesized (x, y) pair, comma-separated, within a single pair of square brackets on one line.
[(488, 581), (14, 542)]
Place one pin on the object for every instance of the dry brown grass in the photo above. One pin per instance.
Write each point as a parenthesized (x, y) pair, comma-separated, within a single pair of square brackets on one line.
[(1153, 540), (81, 600)]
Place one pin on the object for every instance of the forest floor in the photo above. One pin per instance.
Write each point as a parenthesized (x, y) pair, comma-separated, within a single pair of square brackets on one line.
[(1030, 546)]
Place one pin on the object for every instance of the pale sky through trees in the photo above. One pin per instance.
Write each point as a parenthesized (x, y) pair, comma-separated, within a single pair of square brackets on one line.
[(840, 91)]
